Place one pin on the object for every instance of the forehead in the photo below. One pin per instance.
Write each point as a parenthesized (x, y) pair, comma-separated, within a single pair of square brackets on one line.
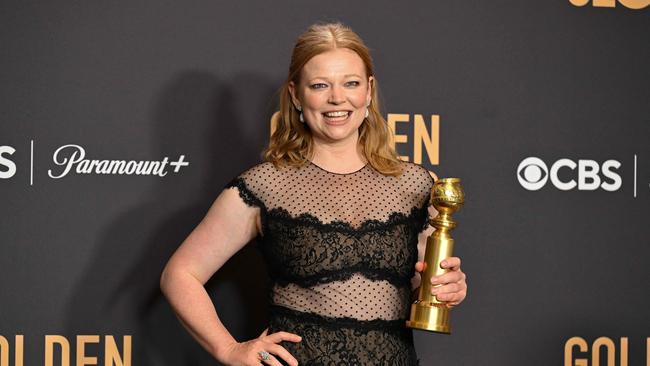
[(334, 63)]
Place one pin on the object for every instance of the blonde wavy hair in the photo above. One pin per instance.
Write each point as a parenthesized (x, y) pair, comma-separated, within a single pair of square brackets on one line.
[(291, 143)]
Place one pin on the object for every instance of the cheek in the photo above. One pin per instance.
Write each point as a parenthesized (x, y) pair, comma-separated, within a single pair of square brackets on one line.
[(313, 100), (360, 98)]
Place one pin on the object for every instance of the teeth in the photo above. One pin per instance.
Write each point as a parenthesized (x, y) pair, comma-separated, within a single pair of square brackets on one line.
[(336, 114)]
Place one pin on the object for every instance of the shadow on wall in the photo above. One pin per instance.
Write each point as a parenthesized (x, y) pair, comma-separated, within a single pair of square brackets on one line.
[(221, 127)]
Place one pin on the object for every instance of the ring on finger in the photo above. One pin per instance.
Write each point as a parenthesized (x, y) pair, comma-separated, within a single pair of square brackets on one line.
[(265, 356)]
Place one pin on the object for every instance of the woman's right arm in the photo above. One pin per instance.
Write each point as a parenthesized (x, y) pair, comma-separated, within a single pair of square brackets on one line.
[(225, 229)]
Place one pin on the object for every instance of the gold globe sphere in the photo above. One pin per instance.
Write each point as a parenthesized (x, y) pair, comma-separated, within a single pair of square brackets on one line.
[(447, 195)]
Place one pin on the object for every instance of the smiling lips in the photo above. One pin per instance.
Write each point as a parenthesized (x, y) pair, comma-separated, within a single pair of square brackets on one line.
[(336, 116)]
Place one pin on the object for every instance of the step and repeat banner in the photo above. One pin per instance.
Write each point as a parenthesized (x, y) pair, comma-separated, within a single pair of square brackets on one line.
[(121, 123)]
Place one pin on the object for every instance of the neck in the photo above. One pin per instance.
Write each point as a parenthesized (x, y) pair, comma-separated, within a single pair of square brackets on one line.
[(340, 156)]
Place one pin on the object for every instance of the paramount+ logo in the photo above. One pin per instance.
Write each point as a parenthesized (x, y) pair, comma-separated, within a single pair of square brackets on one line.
[(566, 174), (71, 159), (630, 4)]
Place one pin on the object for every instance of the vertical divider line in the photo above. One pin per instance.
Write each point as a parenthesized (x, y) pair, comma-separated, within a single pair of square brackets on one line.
[(31, 163), (634, 175)]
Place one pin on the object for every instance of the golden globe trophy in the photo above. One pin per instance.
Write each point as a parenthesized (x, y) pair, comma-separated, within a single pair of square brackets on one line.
[(427, 313)]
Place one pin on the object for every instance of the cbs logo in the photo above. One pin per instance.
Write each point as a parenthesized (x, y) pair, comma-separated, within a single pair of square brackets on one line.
[(533, 174), (630, 4), (7, 167)]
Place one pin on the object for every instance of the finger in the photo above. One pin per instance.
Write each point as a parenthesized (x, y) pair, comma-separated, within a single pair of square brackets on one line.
[(446, 289), (452, 297), (452, 263), (264, 333), (258, 357), (420, 266), (282, 352), (450, 305), (278, 337), (272, 361), (454, 293), (449, 277)]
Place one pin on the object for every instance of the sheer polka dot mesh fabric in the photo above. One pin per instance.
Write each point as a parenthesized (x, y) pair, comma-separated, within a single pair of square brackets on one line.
[(341, 250)]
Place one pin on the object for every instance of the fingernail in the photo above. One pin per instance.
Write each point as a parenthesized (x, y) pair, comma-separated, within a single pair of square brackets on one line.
[(434, 280), (443, 263), (434, 291)]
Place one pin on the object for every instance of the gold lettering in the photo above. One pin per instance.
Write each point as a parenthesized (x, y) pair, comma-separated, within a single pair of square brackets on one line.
[(595, 351), (630, 4), (50, 340), (4, 351), (635, 4), (623, 351), (393, 118), (18, 357), (604, 3), (112, 355), (82, 360), (568, 352), (431, 142)]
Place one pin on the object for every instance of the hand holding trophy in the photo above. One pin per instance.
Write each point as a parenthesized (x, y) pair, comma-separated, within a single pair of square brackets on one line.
[(427, 312)]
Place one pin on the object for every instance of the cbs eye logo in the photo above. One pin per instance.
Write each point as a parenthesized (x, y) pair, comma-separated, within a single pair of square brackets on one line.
[(533, 174)]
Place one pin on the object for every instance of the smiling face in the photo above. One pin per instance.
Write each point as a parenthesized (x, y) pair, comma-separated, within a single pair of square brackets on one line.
[(333, 93)]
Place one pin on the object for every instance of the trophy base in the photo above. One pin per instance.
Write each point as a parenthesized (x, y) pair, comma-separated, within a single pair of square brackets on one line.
[(430, 317)]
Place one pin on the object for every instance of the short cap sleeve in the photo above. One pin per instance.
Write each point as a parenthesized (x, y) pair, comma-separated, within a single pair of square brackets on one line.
[(251, 184)]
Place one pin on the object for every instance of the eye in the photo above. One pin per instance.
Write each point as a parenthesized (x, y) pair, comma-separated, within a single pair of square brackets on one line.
[(352, 83), (318, 86)]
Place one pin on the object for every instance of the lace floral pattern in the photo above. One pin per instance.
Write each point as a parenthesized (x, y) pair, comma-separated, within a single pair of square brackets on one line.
[(344, 341), (307, 252), (341, 250)]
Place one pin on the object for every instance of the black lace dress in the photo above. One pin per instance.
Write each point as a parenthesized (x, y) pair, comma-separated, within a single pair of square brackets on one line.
[(341, 250)]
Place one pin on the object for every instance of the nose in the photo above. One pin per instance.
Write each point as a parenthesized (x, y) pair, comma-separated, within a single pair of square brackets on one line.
[(336, 96)]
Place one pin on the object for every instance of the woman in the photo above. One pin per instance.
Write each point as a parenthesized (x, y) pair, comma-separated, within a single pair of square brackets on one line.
[(342, 223)]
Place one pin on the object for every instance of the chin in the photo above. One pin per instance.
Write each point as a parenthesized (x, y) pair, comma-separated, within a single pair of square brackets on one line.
[(338, 133)]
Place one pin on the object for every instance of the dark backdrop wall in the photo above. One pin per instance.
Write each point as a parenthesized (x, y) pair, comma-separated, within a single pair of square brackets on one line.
[(554, 247)]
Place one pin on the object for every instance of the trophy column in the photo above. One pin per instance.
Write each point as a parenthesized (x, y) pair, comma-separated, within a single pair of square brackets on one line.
[(427, 313)]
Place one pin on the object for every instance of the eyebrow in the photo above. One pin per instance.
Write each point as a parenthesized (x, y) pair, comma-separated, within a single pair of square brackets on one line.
[(326, 78)]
